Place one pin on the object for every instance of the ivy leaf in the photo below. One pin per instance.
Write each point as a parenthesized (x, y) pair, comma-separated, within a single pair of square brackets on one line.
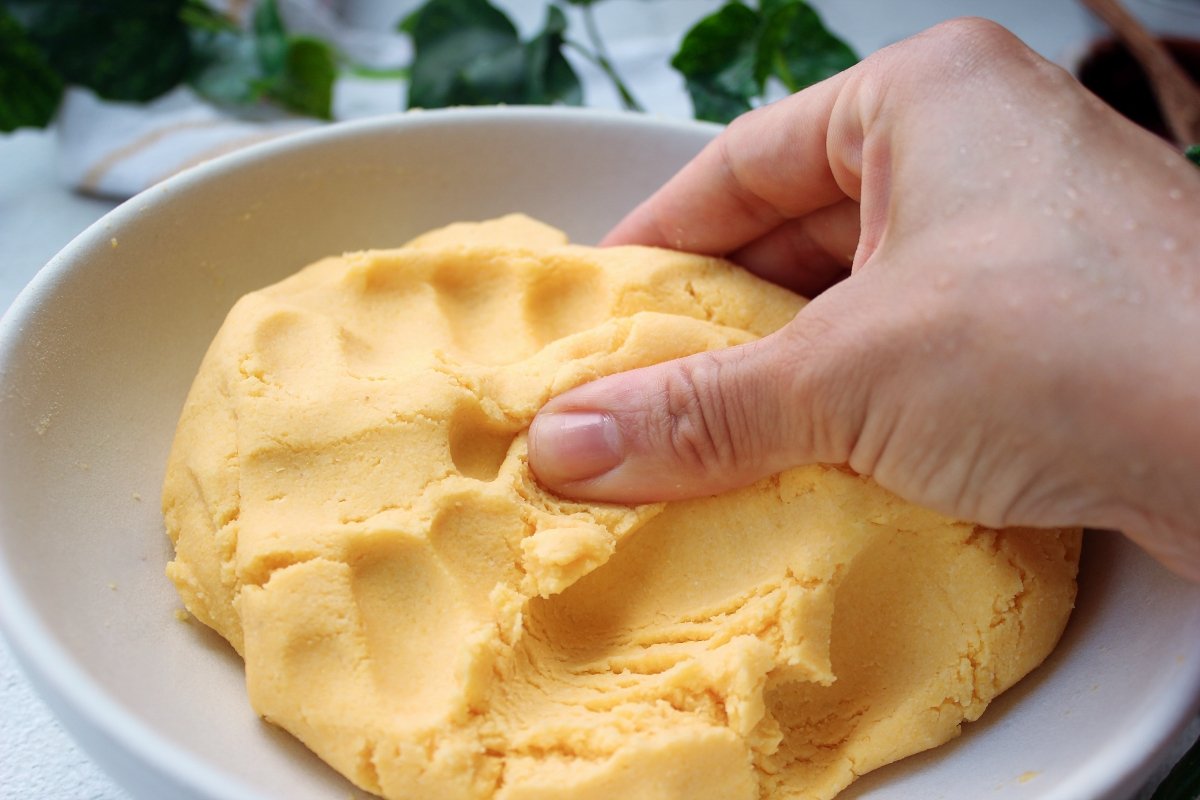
[(797, 48), (133, 50), (297, 72), (29, 89), (270, 38), (492, 78), (1193, 154), (137, 50), (549, 77), (306, 82), (468, 52), (721, 49), (198, 16), (229, 72), (448, 36), (728, 57), (717, 58)]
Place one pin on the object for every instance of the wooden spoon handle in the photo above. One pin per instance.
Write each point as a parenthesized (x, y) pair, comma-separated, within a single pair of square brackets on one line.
[(1177, 94)]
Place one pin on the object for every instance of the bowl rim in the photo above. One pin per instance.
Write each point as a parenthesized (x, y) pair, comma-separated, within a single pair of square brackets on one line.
[(56, 675), (60, 678)]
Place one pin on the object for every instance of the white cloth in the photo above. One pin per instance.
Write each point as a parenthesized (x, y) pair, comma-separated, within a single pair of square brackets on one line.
[(118, 149)]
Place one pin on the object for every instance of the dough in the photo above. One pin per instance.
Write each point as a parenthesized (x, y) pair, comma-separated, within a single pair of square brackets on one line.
[(351, 508)]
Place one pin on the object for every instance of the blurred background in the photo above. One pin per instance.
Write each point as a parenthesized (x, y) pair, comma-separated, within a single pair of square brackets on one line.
[(127, 92), (101, 100)]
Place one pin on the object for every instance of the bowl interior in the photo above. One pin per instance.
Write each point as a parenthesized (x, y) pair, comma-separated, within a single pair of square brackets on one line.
[(97, 356)]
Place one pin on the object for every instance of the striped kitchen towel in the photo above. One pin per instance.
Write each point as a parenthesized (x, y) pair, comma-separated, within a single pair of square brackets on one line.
[(118, 149)]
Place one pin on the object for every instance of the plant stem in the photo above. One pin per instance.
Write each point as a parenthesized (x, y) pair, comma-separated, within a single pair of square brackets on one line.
[(382, 73), (598, 55)]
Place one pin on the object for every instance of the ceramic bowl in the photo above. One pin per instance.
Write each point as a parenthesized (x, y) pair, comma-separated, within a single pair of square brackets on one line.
[(97, 354)]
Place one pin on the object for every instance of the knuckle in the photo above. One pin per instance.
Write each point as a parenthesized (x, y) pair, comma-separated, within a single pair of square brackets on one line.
[(960, 49), (974, 33), (698, 425), (743, 181), (982, 49), (968, 42), (848, 354), (826, 378)]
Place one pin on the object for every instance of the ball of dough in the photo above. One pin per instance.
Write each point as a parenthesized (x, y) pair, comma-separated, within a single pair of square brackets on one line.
[(351, 507)]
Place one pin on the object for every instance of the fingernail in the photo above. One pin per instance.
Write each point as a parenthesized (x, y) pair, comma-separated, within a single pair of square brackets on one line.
[(574, 445)]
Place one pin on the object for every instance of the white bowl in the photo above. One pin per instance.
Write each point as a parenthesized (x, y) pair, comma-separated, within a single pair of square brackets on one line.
[(97, 354)]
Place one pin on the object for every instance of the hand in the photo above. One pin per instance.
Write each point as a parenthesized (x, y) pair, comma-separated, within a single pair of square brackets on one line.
[(1007, 317)]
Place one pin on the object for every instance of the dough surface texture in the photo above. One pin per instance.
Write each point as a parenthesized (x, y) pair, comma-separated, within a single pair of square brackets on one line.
[(351, 507)]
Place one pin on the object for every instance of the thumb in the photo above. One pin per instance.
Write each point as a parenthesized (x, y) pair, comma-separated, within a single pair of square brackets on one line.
[(694, 426)]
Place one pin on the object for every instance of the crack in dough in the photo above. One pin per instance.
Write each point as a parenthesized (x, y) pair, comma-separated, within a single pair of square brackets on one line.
[(351, 507)]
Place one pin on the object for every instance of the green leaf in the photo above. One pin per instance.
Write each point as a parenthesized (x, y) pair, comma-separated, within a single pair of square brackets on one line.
[(408, 24), (200, 17), (136, 50), (717, 58), (716, 106), (130, 50), (378, 73), (228, 71), (467, 52), (493, 78), (306, 83), (448, 37), (1193, 154), (768, 7), (728, 56), (297, 72), (29, 89), (796, 47), (270, 38), (549, 77)]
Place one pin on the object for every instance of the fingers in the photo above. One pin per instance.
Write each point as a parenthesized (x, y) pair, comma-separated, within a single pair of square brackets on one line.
[(769, 166), (686, 428), (806, 255), (838, 140)]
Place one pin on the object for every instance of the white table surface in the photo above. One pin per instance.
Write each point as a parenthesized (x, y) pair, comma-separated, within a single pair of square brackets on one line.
[(38, 760)]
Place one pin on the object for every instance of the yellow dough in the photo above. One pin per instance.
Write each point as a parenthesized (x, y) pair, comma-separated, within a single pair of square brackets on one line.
[(351, 508)]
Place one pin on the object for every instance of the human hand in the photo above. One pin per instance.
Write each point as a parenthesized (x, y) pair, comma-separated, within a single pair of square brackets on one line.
[(1006, 323)]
